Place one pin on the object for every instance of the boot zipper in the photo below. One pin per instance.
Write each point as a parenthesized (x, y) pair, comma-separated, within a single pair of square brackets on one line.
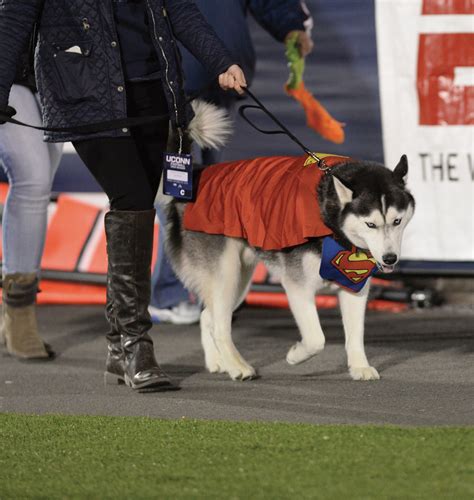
[(166, 73)]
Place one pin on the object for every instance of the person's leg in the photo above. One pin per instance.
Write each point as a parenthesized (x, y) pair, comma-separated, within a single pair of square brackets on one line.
[(129, 169), (170, 302), (30, 166), (30, 169), (167, 290)]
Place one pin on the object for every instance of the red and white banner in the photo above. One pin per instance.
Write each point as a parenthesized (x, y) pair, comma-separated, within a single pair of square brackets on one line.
[(426, 71)]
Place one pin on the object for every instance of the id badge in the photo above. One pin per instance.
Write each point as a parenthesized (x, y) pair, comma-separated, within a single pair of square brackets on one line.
[(178, 176)]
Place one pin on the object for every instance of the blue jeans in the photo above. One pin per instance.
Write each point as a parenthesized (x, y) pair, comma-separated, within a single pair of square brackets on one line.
[(30, 165), (166, 289)]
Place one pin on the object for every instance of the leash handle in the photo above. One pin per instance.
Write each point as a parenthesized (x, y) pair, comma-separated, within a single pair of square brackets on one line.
[(283, 129), (92, 127), (106, 126)]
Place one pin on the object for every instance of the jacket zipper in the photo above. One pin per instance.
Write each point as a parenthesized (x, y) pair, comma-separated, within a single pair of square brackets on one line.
[(166, 73), (116, 40)]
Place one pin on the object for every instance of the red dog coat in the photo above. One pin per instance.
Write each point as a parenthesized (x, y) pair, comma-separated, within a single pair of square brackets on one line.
[(271, 202)]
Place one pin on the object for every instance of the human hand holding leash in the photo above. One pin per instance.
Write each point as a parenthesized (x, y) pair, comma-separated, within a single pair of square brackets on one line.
[(233, 78)]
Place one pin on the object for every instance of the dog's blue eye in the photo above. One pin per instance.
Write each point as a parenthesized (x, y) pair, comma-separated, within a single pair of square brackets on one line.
[(397, 222), (371, 225)]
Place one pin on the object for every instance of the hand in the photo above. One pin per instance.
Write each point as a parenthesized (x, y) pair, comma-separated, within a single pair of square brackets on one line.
[(233, 78), (8, 111), (305, 44)]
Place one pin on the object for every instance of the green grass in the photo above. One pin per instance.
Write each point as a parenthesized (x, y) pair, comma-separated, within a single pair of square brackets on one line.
[(56, 457)]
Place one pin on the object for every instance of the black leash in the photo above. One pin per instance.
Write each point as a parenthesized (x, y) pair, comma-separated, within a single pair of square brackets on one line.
[(93, 127), (125, 123), (106, 126), (284, 130)]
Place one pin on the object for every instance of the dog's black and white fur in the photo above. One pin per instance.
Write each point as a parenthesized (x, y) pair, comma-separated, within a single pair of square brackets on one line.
[(364, 204)]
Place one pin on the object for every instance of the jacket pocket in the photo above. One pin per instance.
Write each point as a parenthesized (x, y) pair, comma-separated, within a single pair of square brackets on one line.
[(75, 78)]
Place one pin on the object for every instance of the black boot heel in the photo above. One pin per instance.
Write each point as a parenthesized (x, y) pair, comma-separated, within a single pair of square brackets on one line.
[(153, 384)]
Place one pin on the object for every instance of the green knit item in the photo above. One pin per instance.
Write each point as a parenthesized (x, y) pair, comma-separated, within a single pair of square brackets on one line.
[(295, 62)]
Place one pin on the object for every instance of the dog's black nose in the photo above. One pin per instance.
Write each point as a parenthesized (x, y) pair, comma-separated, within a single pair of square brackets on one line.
[(389, 258)]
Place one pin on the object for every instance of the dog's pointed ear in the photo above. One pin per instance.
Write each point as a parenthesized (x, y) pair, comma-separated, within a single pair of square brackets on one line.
[(401, 170), (344, 194)]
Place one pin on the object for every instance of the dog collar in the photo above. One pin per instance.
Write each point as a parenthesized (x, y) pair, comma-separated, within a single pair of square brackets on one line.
[(349, 269)]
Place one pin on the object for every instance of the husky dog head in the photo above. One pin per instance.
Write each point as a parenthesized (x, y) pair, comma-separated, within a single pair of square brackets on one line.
[(369, 206)]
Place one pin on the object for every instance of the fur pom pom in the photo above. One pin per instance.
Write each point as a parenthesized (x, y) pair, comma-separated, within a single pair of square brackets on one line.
[(211, 126)]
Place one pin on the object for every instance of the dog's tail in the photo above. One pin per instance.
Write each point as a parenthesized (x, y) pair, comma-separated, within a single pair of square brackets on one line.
[(211, 127)]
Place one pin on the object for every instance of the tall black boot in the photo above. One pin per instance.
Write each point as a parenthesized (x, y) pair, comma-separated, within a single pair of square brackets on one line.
[(115, 363), (129, 249)]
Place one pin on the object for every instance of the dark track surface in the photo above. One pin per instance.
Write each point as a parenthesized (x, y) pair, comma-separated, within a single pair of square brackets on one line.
[(426, 360)]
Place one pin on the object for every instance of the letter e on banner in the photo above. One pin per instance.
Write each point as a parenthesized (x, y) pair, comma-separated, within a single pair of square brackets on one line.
[(442, 101)]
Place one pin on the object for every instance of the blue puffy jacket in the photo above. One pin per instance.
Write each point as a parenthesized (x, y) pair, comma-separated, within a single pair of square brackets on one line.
[(86, 85), (229, 20)]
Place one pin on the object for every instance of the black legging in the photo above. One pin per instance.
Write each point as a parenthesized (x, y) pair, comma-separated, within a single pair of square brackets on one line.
[(129, 168)]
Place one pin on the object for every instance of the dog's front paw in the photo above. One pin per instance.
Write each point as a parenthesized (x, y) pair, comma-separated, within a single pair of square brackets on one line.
[(299, 353), (242, 372), (214, 367), (213, 361), (364, 373)]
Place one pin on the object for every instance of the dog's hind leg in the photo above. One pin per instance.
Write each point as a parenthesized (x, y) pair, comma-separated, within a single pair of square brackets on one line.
[(301, 296), (226, 291), (248, 262), (353, 315)]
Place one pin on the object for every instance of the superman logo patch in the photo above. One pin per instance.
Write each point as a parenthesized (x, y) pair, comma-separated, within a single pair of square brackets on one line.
[(348, 268), (355, 265)]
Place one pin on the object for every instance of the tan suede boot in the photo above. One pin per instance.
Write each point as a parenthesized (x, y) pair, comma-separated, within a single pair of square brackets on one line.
[(20, 327)]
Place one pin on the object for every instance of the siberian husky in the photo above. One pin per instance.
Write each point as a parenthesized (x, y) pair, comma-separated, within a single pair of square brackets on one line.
[(363, 203)]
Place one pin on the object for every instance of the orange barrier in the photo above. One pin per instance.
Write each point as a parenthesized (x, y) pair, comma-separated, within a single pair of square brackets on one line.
[(279, 300), (62, 293), (68, 232)]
